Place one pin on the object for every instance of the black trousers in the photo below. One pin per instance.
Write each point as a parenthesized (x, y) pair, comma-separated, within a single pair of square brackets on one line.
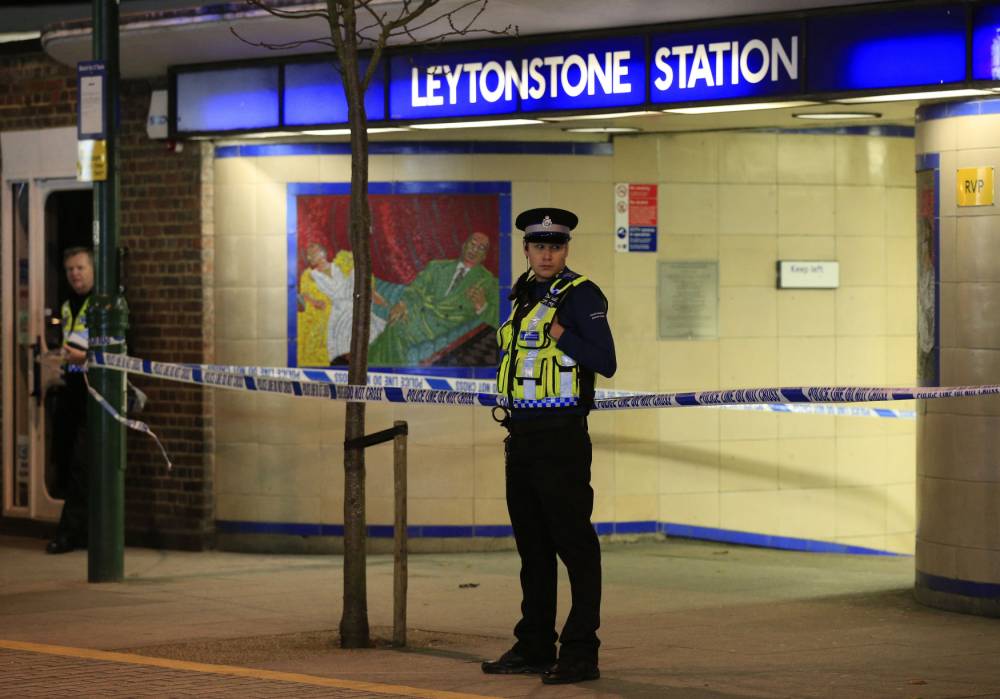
[(69, 444), (550, 502)]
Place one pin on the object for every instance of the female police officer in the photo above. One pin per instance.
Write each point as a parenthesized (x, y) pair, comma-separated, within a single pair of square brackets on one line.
[(555, 340)]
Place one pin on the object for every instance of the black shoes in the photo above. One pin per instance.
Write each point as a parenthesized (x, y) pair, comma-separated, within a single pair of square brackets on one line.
[(61, 544), (511, 663), (571, 670)]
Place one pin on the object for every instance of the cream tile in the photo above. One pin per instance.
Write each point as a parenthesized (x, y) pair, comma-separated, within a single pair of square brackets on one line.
[(755, 511), (637, 468), (273, 353), (289, 471), (636, 159), (748, 363), (806, 158), (899, 160), (421, 167), (946, 198), (272, 313), (794, 247), (442, 426), (901, 354), (798, 426), (634, 270), (747, 261), (443, 472), (688, 209), (588, 254), (235, 415), (937, 135), (901, 262), (491, 511), (236, 469), (291, 168), (531, 194), (861, 461), (872, 542), (975, 256), (237, 508), (688, 247), (593, 202), (806, 313), (689, 424), (272, 264), (806, 361), (902, 543), (691, 157), (490, 479), (636, 426), (689, 467), (234, 171), (808, 514), (287, 508), (637, 507), (436, 510), (807, 463), (747, 425), (948, 244), (233, 213), (979, 131), (584, 168), (286, 420), (748, 209), (634, 317), (236, 313), (746, 311), (337, 168), (860, 512), (901, 458), (750, 464), (977, 564), (860, 211), (695, 509), (900, 212), (239, 352), (860, 160), (861, 310), (948, 318), (235, 261), (806, 210), (689, 365), (862, 261), (900, 505), (861, 361), (271, 202), (748, 157), (902, 310)]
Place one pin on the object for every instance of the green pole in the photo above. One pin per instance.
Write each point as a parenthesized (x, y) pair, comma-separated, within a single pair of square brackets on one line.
[(108, 319)]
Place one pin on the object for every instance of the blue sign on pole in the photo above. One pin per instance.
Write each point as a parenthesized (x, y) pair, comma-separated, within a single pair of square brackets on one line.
[(726, 63), (91, 84)]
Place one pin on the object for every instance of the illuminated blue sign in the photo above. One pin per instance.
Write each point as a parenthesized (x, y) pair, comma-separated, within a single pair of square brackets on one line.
[(227, 99), (545, 77), (986, 43), (725, 63), (924, 46), (314, 94)]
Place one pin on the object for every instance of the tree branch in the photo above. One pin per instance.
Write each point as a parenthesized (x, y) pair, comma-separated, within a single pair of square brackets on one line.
[(288, 14), (280, 47)]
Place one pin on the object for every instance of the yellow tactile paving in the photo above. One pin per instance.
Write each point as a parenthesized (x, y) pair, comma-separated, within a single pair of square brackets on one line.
[(106, 673)]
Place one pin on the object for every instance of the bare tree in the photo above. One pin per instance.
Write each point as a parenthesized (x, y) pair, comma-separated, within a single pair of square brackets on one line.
[(356, 26)]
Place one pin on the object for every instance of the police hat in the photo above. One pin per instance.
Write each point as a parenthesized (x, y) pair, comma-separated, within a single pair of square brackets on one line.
[(546, 225)]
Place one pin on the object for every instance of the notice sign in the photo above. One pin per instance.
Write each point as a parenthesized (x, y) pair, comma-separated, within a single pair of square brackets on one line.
[(635, 217), (808, 274), (974, 186)]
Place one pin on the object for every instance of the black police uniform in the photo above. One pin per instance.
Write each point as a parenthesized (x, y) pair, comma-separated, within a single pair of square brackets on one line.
[(549, 497)]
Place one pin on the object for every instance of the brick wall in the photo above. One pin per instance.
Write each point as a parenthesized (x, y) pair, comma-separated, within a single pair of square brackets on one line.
[(167, 272)]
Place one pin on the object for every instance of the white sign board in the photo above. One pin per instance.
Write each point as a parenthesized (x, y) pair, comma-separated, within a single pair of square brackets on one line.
[(808, 274)]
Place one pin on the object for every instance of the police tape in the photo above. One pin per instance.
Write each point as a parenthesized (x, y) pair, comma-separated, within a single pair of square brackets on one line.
[(136, 425), (320, 383)]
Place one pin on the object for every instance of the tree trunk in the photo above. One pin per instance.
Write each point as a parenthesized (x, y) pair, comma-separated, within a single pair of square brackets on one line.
[(354, 631)]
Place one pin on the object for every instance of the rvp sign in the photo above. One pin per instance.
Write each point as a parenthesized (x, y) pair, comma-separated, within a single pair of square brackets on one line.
[(974, 186)]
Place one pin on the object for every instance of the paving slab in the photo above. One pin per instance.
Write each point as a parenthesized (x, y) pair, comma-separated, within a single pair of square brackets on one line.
[(680, 619)]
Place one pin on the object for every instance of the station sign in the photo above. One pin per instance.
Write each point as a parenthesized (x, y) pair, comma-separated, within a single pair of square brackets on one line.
[(591, 74), (726, 63), (974, 186)]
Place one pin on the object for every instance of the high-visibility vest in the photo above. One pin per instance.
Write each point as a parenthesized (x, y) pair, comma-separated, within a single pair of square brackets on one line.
[(533, 372), (74, 329)]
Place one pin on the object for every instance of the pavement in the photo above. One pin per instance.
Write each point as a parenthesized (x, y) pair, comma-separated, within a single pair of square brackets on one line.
[(680, 619)]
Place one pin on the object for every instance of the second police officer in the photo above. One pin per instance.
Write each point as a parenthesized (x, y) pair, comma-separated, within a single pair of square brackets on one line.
[(555, 341)]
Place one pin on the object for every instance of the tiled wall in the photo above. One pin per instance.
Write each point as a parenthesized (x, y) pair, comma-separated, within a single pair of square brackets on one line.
[(743, 199)]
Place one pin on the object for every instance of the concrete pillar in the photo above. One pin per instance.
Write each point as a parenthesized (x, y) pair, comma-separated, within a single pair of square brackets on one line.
[(958, 440)]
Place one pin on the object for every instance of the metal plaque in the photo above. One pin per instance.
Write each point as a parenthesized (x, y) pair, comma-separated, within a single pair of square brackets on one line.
[(688, 300)]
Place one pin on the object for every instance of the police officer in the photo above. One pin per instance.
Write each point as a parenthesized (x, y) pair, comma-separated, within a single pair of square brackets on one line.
[(69, 444), (555, 341)]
